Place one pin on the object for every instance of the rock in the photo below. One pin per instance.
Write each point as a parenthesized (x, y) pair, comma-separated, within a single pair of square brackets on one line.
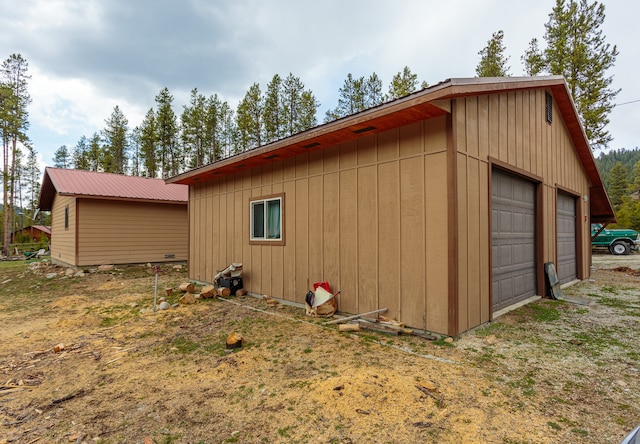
[(448, 340), (106, 268), (79, 274), (58, 348), (187, 298), (164, 305), (235, 340), (69, 272), (241, 292), (162, 299), (177, 267), (51, 275), (271, 301)]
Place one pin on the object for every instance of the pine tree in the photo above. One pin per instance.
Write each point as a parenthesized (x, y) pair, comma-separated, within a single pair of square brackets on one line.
[(533, 59), (148, 144), (14, 122), (226, 131), (273, 111), (61, 157), (166, 134), (95, 154), (115, 136), (493, 62), (619, 178), (249, 119), (134, 146), (32, 177), (308, 111), (194, 127), (402, 84), (80, 156), (577, 50)]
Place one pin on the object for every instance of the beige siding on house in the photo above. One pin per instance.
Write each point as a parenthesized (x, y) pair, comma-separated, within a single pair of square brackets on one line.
[(63, 240), (368, 216), (509, 128), (118, 232)]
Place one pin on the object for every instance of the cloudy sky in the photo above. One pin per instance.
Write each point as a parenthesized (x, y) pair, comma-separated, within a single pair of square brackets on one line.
[(87, 56)]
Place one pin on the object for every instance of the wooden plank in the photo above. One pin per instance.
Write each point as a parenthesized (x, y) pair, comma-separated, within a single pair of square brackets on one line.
[(348, 154), (302, 277), (518, 117), (316, 236), (483, 127), (474, 291), (494, 126), (388, 145), (331, 229), (503, 142), (463, 243), (367, 239), (289, 248), (302, 165), (315, 162), (512, 156), (411, 140), (367, 150), (435, 135), (348, 241), (412, 233), (437, 235), (389, 237), (471, 126), (484, 235), (459, 125), (331, 159), (277, 254)]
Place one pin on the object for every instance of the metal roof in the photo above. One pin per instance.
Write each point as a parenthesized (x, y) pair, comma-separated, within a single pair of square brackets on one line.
[(424, 104), (107, 186)]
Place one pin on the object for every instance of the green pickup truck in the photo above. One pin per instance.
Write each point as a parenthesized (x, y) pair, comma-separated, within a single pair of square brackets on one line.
[(617, 241)]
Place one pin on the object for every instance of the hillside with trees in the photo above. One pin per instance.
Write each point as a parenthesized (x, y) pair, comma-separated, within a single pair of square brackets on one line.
[(620, 171)]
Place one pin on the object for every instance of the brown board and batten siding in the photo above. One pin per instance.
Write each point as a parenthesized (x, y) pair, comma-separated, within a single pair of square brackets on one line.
[(393, 205), (120, 232), (509, 131), (63, 239), (368, 216)]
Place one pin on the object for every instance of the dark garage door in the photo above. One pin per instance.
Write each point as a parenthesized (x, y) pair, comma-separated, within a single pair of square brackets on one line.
[(513, 239), (567, 264)]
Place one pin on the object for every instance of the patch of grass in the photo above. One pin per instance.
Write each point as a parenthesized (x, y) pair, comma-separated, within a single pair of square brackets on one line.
[(580, 432), (545, 312), (184, 345), (554, 425)]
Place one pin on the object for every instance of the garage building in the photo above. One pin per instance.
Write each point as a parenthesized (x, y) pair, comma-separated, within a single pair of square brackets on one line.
[(442, 206)]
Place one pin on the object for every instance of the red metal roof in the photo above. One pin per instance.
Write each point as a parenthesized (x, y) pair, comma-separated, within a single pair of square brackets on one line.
[(107, 186)]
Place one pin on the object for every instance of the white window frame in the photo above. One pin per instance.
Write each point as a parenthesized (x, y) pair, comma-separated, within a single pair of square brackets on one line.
[(264, 240)]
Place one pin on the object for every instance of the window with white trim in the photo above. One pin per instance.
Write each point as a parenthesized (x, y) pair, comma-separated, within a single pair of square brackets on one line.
[(267, 220)]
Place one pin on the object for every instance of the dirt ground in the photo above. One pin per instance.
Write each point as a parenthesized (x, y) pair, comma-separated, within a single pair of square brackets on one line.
[(85, 359)]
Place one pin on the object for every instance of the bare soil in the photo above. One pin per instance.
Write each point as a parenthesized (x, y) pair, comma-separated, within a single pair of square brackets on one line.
[(86, 359)]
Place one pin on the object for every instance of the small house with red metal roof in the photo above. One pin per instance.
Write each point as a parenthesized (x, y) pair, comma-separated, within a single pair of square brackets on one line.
[(443, 207), (103, 218)]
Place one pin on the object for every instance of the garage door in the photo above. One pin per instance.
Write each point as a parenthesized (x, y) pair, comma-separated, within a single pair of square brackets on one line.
[(513, 239), (567, 269)]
